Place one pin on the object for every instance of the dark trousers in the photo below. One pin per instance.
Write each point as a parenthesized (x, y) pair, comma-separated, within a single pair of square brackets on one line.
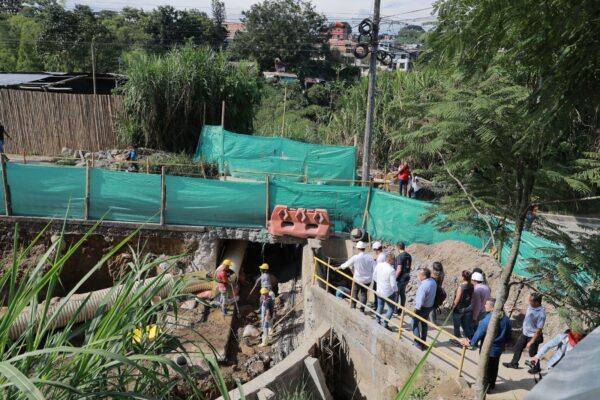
[(375, 304), (360, 293), (403, 187), (521, 344), (401, 294), (492, 372), (419, 327)]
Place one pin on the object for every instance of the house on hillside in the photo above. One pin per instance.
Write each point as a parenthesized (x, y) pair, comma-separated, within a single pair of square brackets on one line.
[(232, 29), (403, 58)]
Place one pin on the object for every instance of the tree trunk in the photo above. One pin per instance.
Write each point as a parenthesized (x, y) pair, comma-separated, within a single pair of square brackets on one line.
[(524, 189)]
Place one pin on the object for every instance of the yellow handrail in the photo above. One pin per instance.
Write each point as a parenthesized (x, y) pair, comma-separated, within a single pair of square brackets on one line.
[(456, 361)]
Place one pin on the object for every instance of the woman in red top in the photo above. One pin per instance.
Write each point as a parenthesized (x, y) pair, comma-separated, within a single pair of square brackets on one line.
[(403, 177)]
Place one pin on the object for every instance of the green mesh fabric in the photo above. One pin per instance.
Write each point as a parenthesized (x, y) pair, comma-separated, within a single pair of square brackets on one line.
[(40, 191), (193, 201), (245, 153), (59, 192), (344, 204)]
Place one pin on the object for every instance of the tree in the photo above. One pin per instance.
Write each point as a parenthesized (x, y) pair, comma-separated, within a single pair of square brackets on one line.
[(218, 17), (168, 27), (291, 30), (166, 95), (410, 34), (550, 57)]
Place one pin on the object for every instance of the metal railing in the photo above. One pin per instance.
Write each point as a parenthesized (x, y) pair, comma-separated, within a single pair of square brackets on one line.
[(398, 322)]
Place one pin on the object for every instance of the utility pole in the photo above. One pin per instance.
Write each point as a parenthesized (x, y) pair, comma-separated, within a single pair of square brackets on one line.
[(371, 95), (93, 66)]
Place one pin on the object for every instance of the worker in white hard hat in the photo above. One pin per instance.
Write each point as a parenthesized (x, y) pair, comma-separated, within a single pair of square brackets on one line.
[(380, 257), (266, 279), (267, 309), (481, 294), (362, 265)]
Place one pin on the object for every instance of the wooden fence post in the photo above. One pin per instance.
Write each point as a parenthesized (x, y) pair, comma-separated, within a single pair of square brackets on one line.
[(147, 165), (223, 113), (267, 205), (163, 195), (7, 202), (86, 209)]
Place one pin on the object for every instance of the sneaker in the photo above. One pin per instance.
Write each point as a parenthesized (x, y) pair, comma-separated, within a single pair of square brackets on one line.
[(510, 365)]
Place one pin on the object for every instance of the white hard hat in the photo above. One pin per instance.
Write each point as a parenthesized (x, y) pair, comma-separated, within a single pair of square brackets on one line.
[(361, 245), (476, 276), (377, 245)]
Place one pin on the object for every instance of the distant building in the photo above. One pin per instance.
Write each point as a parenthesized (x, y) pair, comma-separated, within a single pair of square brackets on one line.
[(403, 58), (232, 29), (340, 42)]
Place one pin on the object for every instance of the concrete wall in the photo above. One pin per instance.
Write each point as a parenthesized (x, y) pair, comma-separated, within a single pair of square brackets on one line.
[(381, 362)]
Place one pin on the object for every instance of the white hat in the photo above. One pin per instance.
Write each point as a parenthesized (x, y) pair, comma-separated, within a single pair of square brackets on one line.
[(361, 245), (377, 245), (476, 276)]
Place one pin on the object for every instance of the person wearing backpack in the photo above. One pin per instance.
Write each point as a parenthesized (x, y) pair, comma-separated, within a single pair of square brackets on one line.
[(462, 316), (437, 273), (403, 264)]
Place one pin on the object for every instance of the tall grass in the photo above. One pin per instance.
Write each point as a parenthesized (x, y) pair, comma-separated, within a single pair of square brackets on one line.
[(97, 358)]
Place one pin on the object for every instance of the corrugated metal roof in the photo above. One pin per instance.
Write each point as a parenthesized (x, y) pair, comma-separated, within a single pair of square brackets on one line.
[(8, 79)]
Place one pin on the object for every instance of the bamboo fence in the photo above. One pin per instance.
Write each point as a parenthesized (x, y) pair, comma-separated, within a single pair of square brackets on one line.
[(43, 123)]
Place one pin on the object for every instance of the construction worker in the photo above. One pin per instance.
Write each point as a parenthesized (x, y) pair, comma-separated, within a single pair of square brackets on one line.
[(362, 265), (266, 280), (222, 276), (267, 308)]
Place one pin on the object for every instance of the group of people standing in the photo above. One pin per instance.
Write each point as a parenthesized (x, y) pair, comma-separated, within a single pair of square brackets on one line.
[(472, 306), (408, 182)]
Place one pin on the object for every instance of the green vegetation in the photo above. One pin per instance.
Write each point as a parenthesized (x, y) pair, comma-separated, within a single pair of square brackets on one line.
[(166, 95), (96, 358), (411, 34), (289, 30), (44, 36)]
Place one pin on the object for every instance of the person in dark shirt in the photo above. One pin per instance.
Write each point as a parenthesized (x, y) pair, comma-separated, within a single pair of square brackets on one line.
[(502, 337), (2, 133), (403, 264)]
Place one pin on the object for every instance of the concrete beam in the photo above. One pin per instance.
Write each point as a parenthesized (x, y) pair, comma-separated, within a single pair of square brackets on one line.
[(316, 373)]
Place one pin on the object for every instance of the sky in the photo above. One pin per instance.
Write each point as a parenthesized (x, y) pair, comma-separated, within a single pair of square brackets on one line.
[(409, 11)]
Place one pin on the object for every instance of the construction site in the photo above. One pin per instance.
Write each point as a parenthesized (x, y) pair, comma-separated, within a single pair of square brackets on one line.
[(186, 227)]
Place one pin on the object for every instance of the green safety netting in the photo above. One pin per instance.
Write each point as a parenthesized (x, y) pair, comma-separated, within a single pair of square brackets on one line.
[(41, 191), (344, 204), (245, 154), (193, 201), (59, 192), (124, 196), (395, 218)]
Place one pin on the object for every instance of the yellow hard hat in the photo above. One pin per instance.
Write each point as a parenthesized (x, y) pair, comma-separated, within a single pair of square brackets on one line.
[(226, 262), (264, 290), (264, 266)]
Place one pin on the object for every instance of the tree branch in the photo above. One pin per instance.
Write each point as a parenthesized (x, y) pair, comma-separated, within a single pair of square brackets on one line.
[(492, 234)]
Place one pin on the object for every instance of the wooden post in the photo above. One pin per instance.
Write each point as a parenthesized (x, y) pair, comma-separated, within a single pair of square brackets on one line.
[(462, 361), (147, 165), (401, 327), (284, 105), (86, 209), (223, 113), (7, 203), (163, 195), (306, 174), (225, 171), (92, 160), (267, 205), (365, 215), (202, 171)]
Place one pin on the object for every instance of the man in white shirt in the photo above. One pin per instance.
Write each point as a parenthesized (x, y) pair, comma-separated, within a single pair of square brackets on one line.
[(384, 276), (531, 334), (362, 265), (379, 256)]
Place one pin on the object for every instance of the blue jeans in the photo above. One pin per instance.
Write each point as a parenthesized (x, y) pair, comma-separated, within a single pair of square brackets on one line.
[(420, 327), (1, 146), (464, 320), (389, 312), (403, 187)]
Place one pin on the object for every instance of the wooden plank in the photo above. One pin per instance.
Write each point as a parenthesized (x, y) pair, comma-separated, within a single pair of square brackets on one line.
[(7, 200), (163, 195), (86, 210)]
